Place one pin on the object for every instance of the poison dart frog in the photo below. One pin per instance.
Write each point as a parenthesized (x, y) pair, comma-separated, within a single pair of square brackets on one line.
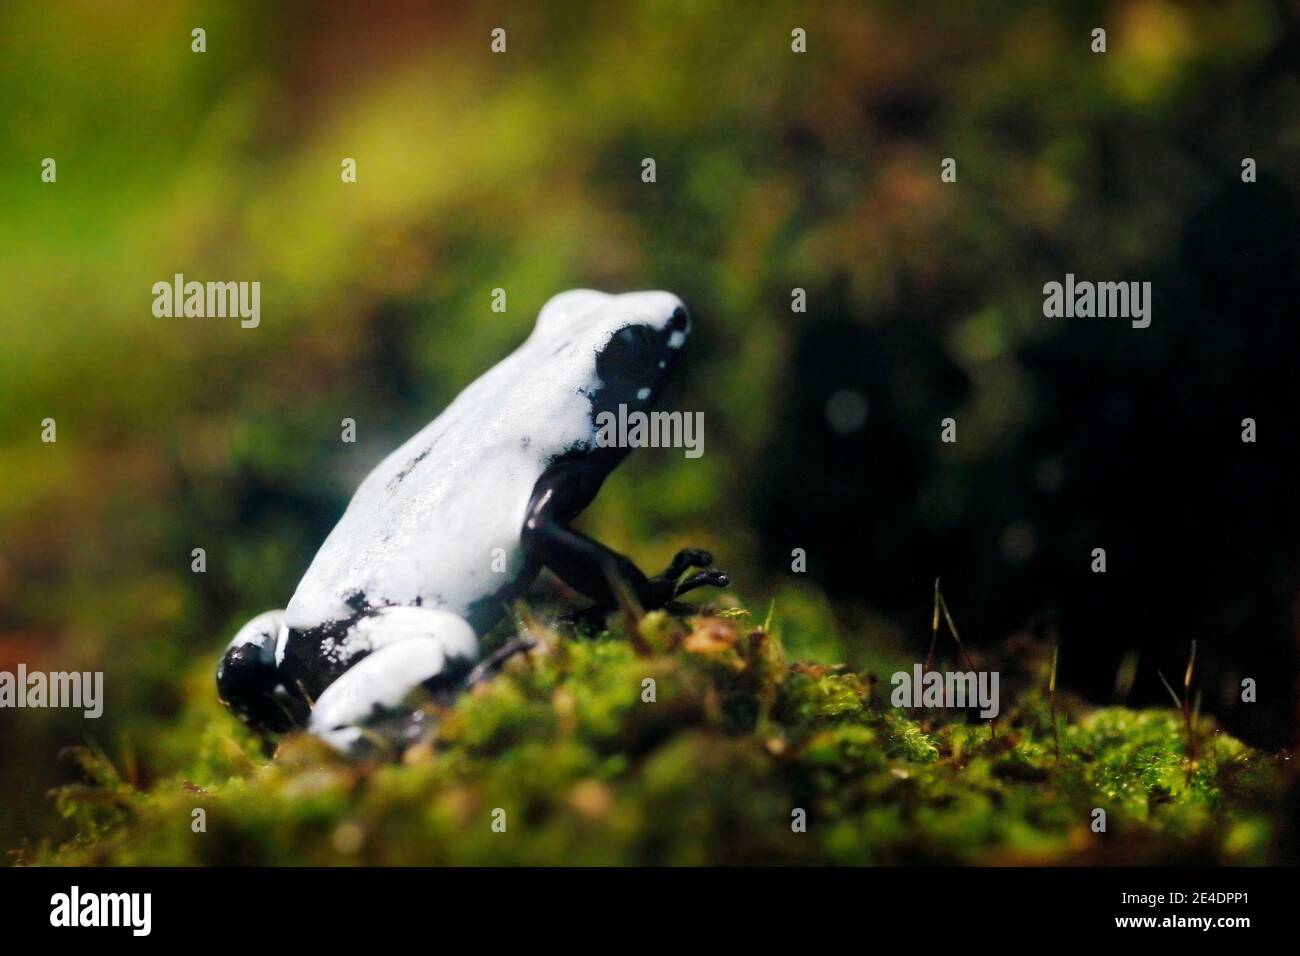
[(456, 523)]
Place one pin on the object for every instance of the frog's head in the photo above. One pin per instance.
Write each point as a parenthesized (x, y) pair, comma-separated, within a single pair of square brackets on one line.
[(636, 340)]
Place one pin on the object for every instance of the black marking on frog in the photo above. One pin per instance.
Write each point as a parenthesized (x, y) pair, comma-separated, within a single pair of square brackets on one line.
[(410, 466)]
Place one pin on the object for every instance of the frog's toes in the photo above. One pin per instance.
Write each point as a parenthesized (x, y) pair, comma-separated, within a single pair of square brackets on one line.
[(663, 588), (685, 559), (713, 578), (488, 668)]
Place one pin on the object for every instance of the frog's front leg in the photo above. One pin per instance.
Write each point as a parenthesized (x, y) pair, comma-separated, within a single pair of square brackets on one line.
[(682, 562), (587, 565)]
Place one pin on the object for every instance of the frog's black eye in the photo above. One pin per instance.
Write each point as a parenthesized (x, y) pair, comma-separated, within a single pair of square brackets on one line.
[(629, 356), (679, 320)]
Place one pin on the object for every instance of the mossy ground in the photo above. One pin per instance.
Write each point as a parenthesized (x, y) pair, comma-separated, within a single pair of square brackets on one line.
[(736, 739)]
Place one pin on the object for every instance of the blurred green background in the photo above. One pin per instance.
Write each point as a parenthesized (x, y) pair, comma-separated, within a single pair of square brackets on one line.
[(775, 171)]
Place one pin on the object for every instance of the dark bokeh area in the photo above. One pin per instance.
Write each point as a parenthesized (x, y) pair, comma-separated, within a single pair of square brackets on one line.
[(1133, 452), (776, 171)]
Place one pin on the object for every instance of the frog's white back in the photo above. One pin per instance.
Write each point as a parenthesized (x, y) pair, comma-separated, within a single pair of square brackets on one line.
[(424, 526)]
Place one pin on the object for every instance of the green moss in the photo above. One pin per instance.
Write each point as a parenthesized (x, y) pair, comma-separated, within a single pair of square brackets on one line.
[(713, 769)]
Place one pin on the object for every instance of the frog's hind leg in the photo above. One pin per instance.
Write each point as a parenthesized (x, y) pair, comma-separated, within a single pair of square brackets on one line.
[(249, 682), (374, 705)]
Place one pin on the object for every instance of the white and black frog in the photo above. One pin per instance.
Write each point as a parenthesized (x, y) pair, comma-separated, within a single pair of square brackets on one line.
[(397, 597)]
